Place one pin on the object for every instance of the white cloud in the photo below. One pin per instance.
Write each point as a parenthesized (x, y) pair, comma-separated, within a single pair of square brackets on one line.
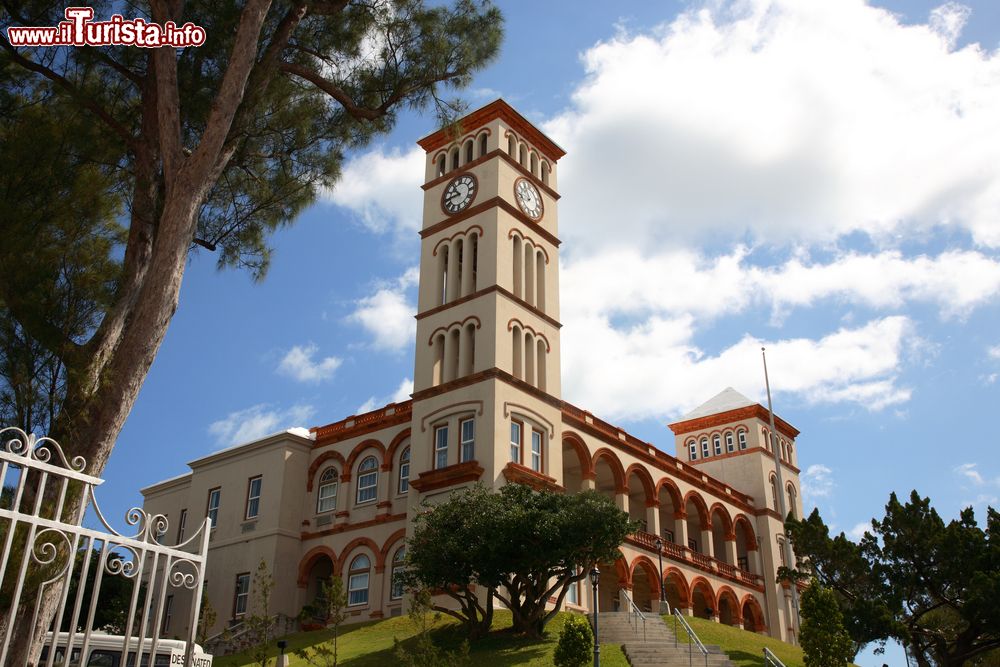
[(298, 364), (858, 531), (401, 394), (791, 120), (968, 470), (994, 352), (382, 189), (816, 482), (387, 314), (257, 421), (655, 369)]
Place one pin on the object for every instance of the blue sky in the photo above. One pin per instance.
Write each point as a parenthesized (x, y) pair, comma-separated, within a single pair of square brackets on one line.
[(820, 178)]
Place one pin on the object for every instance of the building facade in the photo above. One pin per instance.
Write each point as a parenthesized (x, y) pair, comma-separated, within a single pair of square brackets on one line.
[(487, 407)]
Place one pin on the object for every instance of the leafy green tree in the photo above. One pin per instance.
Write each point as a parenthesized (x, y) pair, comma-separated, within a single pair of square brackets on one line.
[(207, 148), (332, 608), (541, 543), (823, 638), (576, 641), (931, 585), (256, 638)]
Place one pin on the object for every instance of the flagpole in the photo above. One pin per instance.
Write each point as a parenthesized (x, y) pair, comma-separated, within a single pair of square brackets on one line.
[(780, 497)]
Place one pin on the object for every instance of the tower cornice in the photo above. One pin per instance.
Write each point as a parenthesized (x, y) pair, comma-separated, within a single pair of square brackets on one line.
[(506, 113), (502, 154), (739, 414)]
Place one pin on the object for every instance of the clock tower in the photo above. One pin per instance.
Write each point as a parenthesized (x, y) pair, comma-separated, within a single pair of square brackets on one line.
[(486, 401)]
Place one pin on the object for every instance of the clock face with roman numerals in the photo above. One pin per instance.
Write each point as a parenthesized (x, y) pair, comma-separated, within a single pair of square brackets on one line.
[(459, 194), (528, 198)]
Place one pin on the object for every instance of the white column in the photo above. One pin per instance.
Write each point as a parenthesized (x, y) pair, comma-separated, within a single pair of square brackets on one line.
[(653, 519)]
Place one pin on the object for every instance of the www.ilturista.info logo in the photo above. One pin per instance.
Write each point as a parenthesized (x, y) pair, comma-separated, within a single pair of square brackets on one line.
[(80, 30)]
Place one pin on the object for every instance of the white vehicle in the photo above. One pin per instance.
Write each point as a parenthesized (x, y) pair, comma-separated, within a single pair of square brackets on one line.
[(105, 650)]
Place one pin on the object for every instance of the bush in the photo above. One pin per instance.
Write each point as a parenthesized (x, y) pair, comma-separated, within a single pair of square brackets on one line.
[(576, 641)]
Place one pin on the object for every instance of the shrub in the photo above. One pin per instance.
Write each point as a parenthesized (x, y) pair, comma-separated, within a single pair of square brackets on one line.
[(576, 641)]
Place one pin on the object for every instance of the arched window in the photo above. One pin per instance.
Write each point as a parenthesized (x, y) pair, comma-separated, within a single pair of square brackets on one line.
[(469, 147), (742, 436), (545, 172), (521, 150), (440, 166), (692, 450), (482, 144), (791, 502), (534, 164), (357, 580), (367, 480), (774, 493), (730, 448), (454, 158), (404, 471), (704, 448), (510, 145), (717, 445), (396, 588), (326, 497)]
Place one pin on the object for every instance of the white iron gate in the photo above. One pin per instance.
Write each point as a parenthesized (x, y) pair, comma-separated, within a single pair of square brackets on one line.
[(41, 552)]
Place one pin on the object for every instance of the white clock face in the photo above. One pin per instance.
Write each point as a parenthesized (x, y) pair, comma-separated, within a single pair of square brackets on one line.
[(528, 198), (459, 194)]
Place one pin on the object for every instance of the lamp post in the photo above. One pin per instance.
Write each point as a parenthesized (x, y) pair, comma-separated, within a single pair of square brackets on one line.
[(659, 557), (595, 577)]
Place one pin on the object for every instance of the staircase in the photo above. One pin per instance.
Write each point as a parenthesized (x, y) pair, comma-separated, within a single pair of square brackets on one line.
[(658, 649)]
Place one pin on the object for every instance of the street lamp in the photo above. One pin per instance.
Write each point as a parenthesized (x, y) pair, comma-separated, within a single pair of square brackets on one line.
[(595, 577), (659, 557)]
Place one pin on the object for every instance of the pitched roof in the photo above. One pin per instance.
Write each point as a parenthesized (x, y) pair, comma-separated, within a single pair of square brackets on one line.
[(725, 400)]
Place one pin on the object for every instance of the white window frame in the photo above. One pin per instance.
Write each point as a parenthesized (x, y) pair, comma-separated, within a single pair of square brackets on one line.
[(705, 452), (253, 501), (467, 445), (354, 574), (730, 443), (515, 445), (320, 498), (742, 437), (441, 446), (213, 510), (366, 475), (396, 588), (403, 484), (717, 444), (182, 525), (536, 456), (693, 450), (241, 596)]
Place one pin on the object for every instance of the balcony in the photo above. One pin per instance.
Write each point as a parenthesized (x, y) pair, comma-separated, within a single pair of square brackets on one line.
[(692, 558)]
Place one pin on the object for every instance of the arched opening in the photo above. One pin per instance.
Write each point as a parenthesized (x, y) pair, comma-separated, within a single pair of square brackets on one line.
[(482, 144), (533, 165), (540, 280), (326, 493), (440, 166), (454, 279), (774, 494), (669, 506), (517, 269), (697, 521), (468, 349), (469, 148), (358, 579), (729, 608), (791, 501), (545, 172), (614, 577), (521, 155), (516, 342), (452, 348), (637, 499), (320, 573), (529, 358), (644, 588), (721, 526), (572, 468), (438, 369), (675, 589), (510, 145), (745, 545), (529, 273), (465, 262), (702, 600), (604, 477), (540, 355), (474, 262), (454, 158), (753, 617), (441, 286)]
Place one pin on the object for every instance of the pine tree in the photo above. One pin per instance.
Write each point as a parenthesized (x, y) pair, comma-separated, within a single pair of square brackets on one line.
[(824, 640)]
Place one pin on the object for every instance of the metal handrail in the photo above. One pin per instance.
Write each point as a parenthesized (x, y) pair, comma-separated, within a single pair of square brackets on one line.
[(634, 612), (772, 659), (692, 638)]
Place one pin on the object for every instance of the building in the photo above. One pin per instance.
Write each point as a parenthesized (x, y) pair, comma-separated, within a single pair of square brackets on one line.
[(487, 407)]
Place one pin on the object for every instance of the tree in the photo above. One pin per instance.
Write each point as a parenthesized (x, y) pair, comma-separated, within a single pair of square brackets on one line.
[(576, 641), (540, 543), (424, 652), (935, 587), (331, 606), (204, 148), (824, 640), (258, 625), (206, 619)]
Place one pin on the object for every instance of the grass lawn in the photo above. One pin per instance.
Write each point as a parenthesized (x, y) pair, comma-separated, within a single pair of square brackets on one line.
[(371, 644), (745, 649)]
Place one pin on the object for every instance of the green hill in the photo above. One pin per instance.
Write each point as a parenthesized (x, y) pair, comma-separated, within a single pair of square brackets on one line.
[(745, 649), (371, 644)]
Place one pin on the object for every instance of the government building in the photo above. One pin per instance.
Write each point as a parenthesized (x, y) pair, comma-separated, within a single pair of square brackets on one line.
[(486, 407)]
